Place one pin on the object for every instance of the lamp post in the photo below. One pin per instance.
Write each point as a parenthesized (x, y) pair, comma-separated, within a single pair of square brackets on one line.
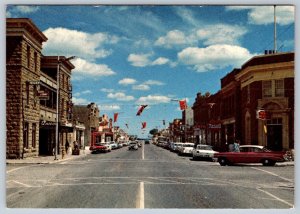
[(59, 61)]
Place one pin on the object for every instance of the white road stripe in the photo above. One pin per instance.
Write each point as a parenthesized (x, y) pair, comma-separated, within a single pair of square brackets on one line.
[(278, 199), (271, 173), (25, 185), (142, 196)]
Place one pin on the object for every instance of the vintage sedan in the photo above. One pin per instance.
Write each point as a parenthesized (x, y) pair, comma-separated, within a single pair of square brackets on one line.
[(203, 151), (133, 145), (250, 154), (186, 149)]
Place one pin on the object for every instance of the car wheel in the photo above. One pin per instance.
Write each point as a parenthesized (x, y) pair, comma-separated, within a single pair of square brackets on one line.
[(267, 162), (222, 161)]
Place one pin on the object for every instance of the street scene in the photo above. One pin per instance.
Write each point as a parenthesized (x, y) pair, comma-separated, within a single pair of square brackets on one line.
[(150, 106), (150, 177)]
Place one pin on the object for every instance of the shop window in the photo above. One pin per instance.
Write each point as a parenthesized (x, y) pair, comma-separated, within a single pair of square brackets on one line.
[(33, 143), (25, 135)]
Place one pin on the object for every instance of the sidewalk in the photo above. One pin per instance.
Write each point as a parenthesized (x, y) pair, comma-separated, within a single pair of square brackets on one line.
[(48, 159)]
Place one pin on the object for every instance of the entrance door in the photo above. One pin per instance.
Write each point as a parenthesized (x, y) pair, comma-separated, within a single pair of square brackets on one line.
[(274, 137)]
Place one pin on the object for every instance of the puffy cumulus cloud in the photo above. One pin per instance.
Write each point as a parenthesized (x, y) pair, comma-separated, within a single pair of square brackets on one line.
[(120, 96), (79, 101), (107, 90), (153, 82), (153, 99), (141, 87), (84, 68), (139, 60), (173, 38), (72, 42), (142, 60), (160, 61), (262, 15), (127, 81), (214, 57), (220, 34)]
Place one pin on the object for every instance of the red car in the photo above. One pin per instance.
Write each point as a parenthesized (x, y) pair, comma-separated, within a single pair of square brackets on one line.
[(251, 154)]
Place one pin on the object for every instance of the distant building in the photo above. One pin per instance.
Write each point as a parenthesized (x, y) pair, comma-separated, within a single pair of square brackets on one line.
[(89, 116)]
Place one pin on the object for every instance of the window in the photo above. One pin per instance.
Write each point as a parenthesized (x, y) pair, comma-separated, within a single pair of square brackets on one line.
[(33, 135), (62, 108), (25, 135), (35, 95), (267, 88), (27, 93), (28, 56), (279, 88), (35, 61)]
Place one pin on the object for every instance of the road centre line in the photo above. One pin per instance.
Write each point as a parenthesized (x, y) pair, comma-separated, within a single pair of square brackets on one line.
[(275, 197), (271, 173), (141, 197)]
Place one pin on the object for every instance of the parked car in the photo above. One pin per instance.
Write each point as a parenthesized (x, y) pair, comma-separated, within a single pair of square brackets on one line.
[(147, 141), (133, 145), (251, 154), (203, 151), (114, 145), (186, 149), (99, 147), (177, 146)]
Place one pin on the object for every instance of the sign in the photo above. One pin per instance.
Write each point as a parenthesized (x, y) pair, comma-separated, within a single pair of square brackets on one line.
[(262, 114), (214, 126), (43, 95), (34, 82), (47, 123)]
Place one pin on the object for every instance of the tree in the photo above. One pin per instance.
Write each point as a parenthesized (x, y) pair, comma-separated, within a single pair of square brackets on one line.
[(153, 131)]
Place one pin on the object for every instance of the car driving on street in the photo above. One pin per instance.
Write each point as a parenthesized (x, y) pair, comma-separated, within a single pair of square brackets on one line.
[(203, 151)]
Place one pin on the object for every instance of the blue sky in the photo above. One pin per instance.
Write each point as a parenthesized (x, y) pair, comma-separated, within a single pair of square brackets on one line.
[(132, 55)]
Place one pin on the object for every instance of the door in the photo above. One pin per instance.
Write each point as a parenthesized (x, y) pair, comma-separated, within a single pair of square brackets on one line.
[(274, 137)]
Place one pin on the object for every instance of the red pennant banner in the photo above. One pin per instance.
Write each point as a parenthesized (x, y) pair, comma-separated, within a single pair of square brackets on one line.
[(144, 124), (182, 104), (141, 109), (116, 117)]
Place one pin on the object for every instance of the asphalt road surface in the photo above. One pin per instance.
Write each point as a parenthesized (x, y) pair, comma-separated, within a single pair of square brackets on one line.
[(150, 177)]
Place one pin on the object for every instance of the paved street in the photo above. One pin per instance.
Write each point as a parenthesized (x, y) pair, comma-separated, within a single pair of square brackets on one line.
[(151, 177)]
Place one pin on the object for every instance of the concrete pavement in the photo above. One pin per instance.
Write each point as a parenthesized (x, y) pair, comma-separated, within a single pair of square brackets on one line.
[(48, 159)]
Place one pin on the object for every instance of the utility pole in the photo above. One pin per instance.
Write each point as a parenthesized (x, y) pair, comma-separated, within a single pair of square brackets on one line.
[(275, 48)]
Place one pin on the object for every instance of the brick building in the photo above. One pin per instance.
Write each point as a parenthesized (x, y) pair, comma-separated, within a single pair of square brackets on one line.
[(264, 83), (23, 53)]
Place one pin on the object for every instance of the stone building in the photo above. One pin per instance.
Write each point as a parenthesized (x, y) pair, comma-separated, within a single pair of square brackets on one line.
[(23, 53), (32, 84), (89, 116)]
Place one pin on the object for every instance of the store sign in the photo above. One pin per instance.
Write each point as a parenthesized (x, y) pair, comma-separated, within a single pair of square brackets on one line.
[(215, 126), (34, 82), (43, 95), (47, 123), (262, 114)]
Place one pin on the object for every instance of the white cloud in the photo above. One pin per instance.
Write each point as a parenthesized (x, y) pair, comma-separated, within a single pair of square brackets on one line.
[(153, 99), (109, 107), (220, 34), (107, 90), (85, 68), (142, 60), (120, 96), (160, 61), (26, 9), (141, 87), (79, 101), (127, 81), (214, 57), (153, 82), (173, 38), (64, 41), (87, 92), (262, 15), (139, 60)]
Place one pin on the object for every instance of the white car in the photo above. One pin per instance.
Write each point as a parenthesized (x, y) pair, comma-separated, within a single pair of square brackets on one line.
[(186, 149), (114, 145), (203, 151)]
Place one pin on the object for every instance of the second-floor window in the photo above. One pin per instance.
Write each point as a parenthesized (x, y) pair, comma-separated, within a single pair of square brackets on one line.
[(273, 88)]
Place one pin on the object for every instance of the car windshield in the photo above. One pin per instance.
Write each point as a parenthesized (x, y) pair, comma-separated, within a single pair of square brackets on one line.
[(188, 145)]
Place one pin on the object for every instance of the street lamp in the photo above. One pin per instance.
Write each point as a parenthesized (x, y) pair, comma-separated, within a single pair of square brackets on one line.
[(59, 61)]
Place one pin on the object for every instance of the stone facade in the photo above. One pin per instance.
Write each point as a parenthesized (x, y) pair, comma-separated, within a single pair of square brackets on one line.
[(24, 44)]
